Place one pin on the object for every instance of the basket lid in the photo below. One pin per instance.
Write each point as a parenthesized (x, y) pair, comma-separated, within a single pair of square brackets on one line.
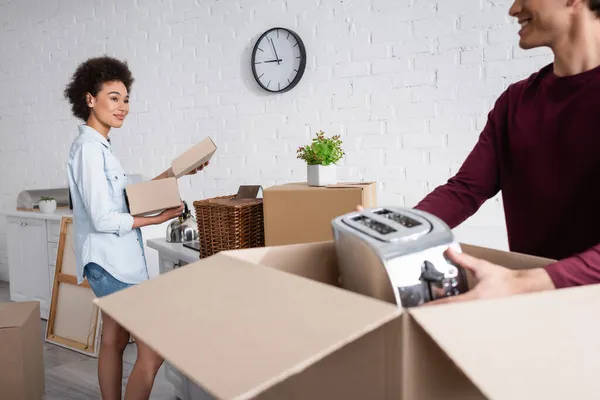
[(249, 192), (233, 202)]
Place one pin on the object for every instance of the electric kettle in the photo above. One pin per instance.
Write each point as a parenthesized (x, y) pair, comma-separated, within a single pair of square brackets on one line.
[(183, 229)]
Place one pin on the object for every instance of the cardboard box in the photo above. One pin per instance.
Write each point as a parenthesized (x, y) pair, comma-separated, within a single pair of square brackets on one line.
[(193, 158), (271, 323), (152, 197), (297, 213), (21, 351)]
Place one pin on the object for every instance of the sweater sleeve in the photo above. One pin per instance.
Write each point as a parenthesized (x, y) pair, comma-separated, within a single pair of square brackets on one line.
[(577, 270), (477, 180)]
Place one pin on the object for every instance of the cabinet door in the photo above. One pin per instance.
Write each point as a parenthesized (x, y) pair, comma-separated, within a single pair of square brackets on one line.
[(28, 261)]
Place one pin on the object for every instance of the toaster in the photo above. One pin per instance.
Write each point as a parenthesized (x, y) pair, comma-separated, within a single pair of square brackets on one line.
[(397, 254)]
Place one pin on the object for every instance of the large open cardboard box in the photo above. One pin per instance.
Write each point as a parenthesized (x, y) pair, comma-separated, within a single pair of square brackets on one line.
[(272, 323), (152, 197)]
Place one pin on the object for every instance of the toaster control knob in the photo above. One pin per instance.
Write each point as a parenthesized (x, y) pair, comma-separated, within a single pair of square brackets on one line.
[(430, 274)]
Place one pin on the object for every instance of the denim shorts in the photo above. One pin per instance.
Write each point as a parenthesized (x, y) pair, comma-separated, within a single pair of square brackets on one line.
[(101, 282)]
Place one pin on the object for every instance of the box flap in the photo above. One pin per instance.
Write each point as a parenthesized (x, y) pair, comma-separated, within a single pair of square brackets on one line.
[(510, 260), (14, 315), (316, 261), (193, 158), (236, 328), (542, 346)]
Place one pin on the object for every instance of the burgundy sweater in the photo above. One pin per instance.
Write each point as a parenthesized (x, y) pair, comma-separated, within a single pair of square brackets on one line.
[(541, 149)]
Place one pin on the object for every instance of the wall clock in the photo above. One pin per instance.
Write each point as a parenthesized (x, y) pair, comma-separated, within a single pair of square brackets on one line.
[(278, 60)]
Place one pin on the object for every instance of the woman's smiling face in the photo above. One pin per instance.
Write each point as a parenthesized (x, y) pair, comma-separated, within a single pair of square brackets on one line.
[(111, 105)]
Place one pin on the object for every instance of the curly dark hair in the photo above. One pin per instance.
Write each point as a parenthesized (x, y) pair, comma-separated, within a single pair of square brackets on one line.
[(89, 77)]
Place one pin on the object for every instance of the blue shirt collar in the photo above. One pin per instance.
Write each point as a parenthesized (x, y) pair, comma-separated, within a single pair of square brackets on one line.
[(93, 134)]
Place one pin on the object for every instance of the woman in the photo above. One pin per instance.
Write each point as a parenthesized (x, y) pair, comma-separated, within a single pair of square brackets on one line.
[(108, 241)]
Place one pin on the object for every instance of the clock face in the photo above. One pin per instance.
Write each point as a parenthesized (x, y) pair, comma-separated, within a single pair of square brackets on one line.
[(278, 60)]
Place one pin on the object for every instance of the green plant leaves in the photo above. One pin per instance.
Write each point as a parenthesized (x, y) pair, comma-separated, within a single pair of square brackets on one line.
[(322, 150)]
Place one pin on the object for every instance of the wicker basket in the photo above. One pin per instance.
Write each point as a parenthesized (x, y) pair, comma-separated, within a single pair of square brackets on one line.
[(229, 223)]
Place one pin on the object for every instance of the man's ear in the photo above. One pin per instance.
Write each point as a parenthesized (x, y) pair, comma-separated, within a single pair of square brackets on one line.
[(577, 3)]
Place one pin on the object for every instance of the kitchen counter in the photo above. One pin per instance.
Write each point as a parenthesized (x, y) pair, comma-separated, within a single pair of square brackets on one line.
[(55, 216), (174, 250)]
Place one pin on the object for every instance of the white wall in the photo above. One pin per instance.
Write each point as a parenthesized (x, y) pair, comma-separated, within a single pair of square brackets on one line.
[(407, 83)]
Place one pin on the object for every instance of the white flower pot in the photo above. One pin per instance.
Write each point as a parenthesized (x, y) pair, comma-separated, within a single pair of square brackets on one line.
[(48, 206), (321, 175)]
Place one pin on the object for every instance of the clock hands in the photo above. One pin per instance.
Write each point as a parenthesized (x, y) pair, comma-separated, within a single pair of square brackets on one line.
[(281, 79), (275, 51)]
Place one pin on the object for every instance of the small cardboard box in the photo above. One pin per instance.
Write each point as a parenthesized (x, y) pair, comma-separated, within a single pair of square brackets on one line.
[(297, 213), (151, 197), (272, 323), (21, 351)]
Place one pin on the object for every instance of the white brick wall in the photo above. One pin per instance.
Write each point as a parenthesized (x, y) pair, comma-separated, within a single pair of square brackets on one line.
[(407, 83)]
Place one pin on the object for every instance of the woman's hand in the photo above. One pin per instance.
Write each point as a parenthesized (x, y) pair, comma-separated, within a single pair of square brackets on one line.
[(200, 168), (171, 213)]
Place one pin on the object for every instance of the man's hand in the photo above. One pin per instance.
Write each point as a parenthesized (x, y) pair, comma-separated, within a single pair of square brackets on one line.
[(200, 168), (494, 281)]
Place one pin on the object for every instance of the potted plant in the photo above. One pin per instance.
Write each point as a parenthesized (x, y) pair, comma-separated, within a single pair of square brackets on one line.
[(321, 157), (47, 204)]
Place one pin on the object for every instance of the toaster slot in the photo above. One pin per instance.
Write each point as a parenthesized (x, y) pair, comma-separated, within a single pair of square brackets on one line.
[(387, 224), (398, 218), (376, 226)]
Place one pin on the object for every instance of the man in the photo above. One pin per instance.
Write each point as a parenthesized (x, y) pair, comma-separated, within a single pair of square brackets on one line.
[(541, 148)]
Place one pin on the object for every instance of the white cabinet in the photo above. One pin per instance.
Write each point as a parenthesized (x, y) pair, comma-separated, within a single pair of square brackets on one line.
[(32, 244), (28, 261)]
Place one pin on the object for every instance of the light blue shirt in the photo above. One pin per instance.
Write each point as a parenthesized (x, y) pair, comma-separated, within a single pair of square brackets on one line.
[(102, 225)]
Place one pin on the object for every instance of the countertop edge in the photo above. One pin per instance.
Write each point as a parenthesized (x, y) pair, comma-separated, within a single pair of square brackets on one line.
[(174, 250), (55, 216)]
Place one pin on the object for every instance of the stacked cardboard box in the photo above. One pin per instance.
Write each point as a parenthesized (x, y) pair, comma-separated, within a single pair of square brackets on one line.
[(297, 213), (21, 351)]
